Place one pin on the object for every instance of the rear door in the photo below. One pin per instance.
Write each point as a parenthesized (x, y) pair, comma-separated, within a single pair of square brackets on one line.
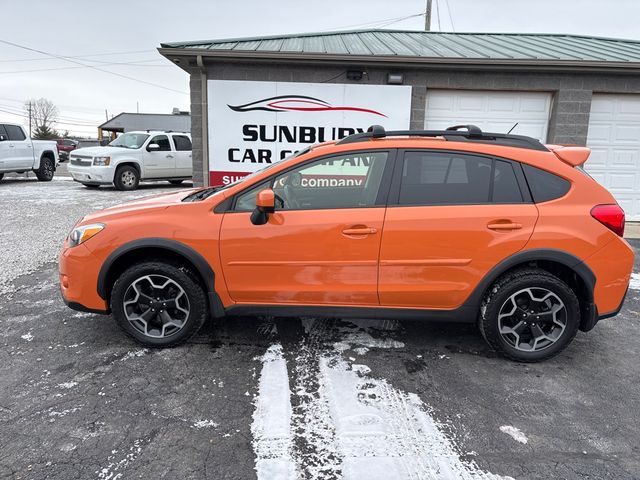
[(20, 149), (161, 162), (182, 146), (451, 218), (4, 148)]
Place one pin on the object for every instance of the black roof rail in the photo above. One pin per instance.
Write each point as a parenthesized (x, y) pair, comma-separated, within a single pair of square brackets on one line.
[(458, 133)]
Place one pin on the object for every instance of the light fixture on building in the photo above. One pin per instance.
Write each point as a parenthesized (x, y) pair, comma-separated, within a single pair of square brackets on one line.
[(355, 74), (395, 79)]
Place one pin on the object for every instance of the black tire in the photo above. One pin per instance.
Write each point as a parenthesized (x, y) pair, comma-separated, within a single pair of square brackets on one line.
[(175, 182), (197, 302), (91, 186), (126, 178), (500, 293), (46, 171)]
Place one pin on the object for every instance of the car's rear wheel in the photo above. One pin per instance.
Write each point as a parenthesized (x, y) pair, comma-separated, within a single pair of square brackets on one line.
[(127, 178), (529, 315), (91, 185), (158, 304), (175, 182), (46, 171)]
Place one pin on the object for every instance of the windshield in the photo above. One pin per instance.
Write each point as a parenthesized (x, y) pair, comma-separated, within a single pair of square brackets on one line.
[(130, 140)]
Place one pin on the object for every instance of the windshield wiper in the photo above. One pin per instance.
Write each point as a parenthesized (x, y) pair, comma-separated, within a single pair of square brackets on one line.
[(202, 194)]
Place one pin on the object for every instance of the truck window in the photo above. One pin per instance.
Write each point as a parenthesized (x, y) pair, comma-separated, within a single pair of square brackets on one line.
[(163, 143), (182, 143), (15, 133)]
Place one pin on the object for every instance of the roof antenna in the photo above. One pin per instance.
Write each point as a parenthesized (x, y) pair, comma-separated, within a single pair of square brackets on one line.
[(514, 126)]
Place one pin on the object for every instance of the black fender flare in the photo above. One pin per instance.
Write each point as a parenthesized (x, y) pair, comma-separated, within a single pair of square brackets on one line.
[(204, 269), (524, 256)]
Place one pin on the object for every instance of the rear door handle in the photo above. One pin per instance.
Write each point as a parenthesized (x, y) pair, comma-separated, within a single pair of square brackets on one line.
[(169, 156), (359, 231), (504, 226)]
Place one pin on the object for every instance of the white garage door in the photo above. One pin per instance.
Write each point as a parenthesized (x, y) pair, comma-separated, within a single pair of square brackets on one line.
[(492, 111), (614, 138)]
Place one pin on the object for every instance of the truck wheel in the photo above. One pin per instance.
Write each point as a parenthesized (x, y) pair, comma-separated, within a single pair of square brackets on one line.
[(529, 315), (127, 178), (46, 171), (159, 304), (175, 182)]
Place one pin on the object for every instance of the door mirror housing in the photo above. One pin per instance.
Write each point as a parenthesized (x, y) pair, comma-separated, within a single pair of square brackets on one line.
[(3, 138), (265, 204), (153, 147)]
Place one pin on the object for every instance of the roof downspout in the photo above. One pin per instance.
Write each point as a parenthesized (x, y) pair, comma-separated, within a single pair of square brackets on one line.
[(204, 120)]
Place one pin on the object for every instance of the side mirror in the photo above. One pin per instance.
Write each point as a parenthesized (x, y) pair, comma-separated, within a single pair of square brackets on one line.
[(265, 204), (153, 146), (3, 138)]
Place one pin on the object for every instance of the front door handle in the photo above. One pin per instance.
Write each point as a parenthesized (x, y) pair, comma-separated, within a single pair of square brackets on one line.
[(169, 156), (504, 226), (359, 231)]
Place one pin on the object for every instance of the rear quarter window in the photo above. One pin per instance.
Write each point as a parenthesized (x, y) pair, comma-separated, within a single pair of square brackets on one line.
[(545, 186)]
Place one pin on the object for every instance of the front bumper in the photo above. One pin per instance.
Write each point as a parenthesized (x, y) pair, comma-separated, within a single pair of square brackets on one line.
[(78, 273), (91, 175)]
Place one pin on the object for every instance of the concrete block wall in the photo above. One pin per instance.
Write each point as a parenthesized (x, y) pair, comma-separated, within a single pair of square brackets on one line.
[(572, 92)]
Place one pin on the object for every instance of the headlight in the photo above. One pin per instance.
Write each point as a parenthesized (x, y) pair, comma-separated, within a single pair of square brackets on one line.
[(101, 161), (81, 234)]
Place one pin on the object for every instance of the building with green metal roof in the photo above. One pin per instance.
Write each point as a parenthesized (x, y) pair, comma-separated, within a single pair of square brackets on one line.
[(559, 88)]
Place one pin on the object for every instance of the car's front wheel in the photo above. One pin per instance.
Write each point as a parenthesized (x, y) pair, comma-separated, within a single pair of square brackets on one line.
[(127, 178), (529, 315), (158, 304)]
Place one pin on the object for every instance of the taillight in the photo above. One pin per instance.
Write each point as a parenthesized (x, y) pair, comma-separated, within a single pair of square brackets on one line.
[(611, 216)]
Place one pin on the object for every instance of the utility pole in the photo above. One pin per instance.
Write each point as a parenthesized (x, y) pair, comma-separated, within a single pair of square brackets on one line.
[(30, 120), (427, 16)]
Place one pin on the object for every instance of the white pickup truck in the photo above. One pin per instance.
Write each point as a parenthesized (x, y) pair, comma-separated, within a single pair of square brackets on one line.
[(18, 153), (132, 157)]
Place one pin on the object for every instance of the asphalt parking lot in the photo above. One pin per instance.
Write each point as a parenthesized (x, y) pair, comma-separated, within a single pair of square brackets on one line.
[(312, 398)]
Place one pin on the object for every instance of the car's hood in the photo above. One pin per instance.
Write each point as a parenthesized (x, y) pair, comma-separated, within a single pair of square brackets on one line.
[(102, 151), (152, 202)]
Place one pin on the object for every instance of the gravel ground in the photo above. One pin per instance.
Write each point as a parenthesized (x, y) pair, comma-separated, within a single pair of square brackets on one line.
[(275, 398)]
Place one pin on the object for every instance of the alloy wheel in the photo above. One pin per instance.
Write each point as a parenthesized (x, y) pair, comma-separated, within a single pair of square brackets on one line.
[(532, 319), (156, 306)]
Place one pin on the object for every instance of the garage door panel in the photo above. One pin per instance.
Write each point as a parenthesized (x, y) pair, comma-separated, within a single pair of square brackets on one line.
[(614, 137), (493, 111)]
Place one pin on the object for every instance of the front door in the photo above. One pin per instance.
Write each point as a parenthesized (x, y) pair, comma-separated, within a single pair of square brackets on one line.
[(321, 245), (159, 162), (20, 155), (451, 218)]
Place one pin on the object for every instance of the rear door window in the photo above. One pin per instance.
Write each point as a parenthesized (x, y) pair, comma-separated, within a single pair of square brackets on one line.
[(443, 178), (545, 186), (505, 184), (182, 143), (15, 133)]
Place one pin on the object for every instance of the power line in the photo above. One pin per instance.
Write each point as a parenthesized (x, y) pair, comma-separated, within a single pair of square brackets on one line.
[(377, 23), (78, 57), (58, 122), (92, 67), (450, 16), (438, 14), (87, 122), (132, 64)]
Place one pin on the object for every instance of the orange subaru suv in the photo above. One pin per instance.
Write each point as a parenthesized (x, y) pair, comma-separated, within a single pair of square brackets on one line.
[(455, 225)]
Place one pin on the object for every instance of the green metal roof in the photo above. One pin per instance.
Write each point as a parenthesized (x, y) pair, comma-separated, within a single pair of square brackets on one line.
[(429, 45)]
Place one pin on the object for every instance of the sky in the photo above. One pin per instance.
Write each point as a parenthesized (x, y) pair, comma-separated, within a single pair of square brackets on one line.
[(107, 35)]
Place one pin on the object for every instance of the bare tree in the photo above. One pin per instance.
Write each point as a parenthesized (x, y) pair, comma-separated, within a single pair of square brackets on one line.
[(43, 115)]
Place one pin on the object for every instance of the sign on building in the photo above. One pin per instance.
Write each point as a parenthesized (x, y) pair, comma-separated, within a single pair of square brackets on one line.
[(253, 124)]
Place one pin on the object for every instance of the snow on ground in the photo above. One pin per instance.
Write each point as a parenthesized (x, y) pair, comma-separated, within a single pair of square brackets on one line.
[(362, 426), (514, 433), (23, 201), (635, 281)]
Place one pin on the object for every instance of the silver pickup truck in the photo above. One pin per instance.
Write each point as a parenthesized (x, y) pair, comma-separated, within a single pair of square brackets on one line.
[(18, 153)]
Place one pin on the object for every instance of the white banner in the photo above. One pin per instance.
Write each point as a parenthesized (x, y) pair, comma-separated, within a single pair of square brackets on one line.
[(252, 124)]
